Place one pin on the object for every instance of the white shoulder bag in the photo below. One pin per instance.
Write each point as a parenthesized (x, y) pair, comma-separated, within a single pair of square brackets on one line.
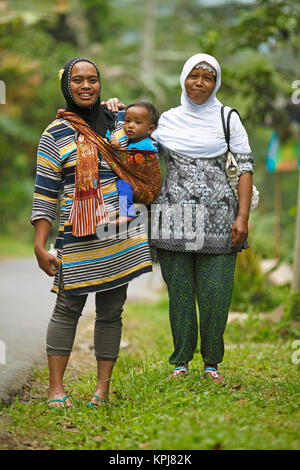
[(231, 165)]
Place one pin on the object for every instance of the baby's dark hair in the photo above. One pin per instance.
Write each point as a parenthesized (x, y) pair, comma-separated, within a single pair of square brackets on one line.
[(149, 106)]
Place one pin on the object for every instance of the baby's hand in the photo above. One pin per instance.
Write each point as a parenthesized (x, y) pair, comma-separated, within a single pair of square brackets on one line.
[(115, 143)]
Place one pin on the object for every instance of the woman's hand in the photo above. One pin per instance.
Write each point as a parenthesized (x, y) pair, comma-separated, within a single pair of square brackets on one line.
[(239, 230), (46, 261), (240, 225), (114, 104)]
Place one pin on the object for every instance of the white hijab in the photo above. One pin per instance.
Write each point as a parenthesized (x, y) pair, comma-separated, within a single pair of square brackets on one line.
[(196, 129)]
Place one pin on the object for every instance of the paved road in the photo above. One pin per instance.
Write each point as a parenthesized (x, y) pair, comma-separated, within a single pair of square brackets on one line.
[(26, 304)]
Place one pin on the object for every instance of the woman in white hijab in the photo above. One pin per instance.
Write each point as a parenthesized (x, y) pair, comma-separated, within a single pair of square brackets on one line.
[(199, 224)]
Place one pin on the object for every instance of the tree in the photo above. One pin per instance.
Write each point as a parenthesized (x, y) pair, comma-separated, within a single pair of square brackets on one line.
[(140, 47)]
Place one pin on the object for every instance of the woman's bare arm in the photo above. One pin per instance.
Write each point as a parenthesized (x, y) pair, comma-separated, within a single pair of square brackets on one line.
[(240, 225), (42, 229)]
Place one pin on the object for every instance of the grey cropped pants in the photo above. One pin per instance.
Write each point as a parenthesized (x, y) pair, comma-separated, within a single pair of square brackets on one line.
[(108, 323)]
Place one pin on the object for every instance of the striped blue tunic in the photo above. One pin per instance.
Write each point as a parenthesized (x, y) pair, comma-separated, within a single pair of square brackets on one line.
[(88, 264)]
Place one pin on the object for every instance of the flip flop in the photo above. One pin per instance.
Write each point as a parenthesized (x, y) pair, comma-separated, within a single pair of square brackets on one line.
[(179, 371), (61, 401), (213, 372), (94, 405)]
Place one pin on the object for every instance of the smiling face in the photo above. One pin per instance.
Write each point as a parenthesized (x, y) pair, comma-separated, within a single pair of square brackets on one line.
[(199, 85), (138, 125), (84, 83)]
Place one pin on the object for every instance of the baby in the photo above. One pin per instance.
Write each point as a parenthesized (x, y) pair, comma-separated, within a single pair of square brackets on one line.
[(141, 119)]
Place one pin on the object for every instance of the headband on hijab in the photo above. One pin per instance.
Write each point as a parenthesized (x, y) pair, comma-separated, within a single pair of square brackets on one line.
[(196, 130), (203, 65), (98, 117)]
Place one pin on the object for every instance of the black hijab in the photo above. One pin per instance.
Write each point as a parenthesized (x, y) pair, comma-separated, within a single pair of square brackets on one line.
[(97, 116)]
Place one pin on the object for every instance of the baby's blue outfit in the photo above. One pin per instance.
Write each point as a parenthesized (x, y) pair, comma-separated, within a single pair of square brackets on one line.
[(124, 188), (145, 144)]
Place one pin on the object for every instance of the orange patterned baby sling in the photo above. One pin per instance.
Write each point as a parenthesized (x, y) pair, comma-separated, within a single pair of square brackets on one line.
[(88, 209), (140, 168)]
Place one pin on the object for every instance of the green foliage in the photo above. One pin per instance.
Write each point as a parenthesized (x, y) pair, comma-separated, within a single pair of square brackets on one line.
[(19, 246), (275, 22), (292, 308), (248, 75), (252, 292)]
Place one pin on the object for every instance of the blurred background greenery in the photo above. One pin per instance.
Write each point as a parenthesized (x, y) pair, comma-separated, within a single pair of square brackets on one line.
[(140, 47)]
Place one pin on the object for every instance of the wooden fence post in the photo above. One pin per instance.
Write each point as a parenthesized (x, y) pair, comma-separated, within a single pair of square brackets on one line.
[(296, 274), (278, 203)]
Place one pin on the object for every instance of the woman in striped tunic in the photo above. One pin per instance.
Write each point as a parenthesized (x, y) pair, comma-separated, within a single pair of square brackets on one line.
[(85, 263)]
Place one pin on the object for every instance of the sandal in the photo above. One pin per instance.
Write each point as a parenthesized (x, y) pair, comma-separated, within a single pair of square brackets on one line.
[(214, 374), (61, 401), (180, 371), (95, 405)]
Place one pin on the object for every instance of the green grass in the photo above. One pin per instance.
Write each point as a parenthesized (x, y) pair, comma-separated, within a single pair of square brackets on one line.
[(257, 408), (12, 247)]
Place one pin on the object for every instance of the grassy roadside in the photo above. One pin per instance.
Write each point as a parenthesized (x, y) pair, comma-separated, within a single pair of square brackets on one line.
[(257, 408), (12, 247)]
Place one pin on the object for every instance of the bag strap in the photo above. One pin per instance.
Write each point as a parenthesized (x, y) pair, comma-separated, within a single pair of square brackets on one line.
[(226, 127)]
